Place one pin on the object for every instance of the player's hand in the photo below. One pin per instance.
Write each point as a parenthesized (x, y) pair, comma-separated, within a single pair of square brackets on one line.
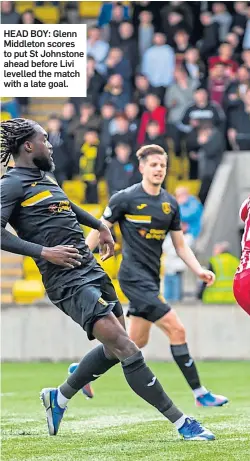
[(62, 255), (207, 276), (107, 244)]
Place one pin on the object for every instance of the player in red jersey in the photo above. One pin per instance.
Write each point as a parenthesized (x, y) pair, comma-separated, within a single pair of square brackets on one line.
[(241, 285)]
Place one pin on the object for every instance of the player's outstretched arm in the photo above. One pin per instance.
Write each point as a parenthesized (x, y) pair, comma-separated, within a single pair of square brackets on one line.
[(187, 255)]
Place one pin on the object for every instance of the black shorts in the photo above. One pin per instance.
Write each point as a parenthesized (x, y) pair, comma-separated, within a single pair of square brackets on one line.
[(145, 299), (87, 302)]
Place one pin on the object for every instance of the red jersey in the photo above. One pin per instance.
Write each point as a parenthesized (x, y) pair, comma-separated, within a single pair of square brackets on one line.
[(245, 242)]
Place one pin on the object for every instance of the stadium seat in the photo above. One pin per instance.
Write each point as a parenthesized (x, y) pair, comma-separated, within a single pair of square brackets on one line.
[(193, 186), (89, 9), (27, 291), (110, 266), (5, 116), (75, 190), (20, 7), (121, 296), (30, 269), (47, 14), (171, 183)]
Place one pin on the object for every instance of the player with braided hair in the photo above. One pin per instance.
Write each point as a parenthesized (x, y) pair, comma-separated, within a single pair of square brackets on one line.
[(13, 132), (47, 226)]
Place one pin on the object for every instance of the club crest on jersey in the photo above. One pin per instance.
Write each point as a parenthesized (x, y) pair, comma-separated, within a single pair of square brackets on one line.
[(166, 207)]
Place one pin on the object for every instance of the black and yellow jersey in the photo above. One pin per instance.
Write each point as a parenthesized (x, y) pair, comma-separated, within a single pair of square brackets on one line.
[(144, 222), (41, 214)]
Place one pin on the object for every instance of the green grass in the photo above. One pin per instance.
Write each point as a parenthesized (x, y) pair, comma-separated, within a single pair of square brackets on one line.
[(117, 425)]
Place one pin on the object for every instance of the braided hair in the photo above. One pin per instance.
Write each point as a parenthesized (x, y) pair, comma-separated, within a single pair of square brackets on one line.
[(14, 133)]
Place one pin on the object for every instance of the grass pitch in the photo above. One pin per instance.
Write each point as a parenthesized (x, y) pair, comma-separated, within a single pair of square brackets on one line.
[(117, 425)]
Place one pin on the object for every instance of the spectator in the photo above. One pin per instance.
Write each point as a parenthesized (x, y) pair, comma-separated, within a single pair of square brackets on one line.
[(28, 17), (181, 45), (23, 105), (217, 83), (236, 90), (122, 171), (107, 115), (153, 135), (128, 44), (202, 110), (210, 41), (111, 30), (105, 151), (195, 67), (175, 16), (191, 211), (224, 266), (120, 127), (89, 120), (158, 63), (223, 18), (115, 92), (246, 37), (246, 59), (87, 161), (132, 114), (97, 48), (210, 152), (179, 96), (8, 13), (239, 19), (154, 111), (239, 125), (234, 40), (226, 57), (153, 7), (61, 149), (68, 117), (106, 13), (95, 81), (117, 64), (146, 32), (142, 88)]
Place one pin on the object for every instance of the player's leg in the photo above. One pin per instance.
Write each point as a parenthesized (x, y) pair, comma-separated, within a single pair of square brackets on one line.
[(104, 359), (171, 325), (139, 330), (141, 379), (92, 366), (111, 333)]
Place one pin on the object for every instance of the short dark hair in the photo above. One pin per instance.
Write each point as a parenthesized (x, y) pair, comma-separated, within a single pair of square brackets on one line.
[(150, 149), (153, 123), (14, 133)]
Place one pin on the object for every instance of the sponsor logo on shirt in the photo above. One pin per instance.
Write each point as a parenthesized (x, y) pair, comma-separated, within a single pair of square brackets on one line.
[(140, 207), (155, 234), (61, 206)]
